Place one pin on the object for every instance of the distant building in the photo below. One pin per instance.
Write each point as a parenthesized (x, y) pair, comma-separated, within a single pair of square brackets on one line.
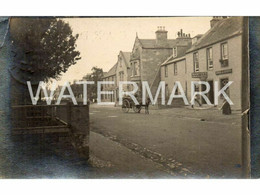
[(109, 76), (123, 71)]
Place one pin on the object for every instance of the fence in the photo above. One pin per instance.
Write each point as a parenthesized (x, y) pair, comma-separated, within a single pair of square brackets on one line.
[(64, 119)]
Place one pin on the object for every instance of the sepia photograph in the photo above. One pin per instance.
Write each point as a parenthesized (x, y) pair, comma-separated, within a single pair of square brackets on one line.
[(124, 97)]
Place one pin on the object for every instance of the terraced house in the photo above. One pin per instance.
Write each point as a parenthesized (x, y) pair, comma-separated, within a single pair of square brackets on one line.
[(214, 56), (175, 67), (217, 56)]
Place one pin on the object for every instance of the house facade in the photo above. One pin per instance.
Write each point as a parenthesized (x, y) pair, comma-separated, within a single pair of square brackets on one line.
[(175, 67), (147, 55), (123, 71), (213, 57), (109, 76), (217, 57)]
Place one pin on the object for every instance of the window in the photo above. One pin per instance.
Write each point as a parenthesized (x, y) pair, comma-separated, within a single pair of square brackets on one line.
[(223, 82), (121, 76), (175, 68), (136, 68), (166, 71), (224, 51), (224, 54), (133, 69), (196, 62), (174, 51), (210, 58)]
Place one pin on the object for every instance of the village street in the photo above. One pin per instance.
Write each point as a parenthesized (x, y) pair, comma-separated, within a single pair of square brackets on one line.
[(178, 141), (167, 143)]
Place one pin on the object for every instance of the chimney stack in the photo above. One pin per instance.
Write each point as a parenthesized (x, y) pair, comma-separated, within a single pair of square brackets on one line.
[(181, 34), (161, 36), (216, 19)]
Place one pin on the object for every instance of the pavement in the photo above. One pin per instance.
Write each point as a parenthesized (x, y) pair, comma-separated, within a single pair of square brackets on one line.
[(183, 142), (167, 143)]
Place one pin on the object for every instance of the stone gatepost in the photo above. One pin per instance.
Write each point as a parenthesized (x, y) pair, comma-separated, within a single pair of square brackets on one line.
[(78, 120)]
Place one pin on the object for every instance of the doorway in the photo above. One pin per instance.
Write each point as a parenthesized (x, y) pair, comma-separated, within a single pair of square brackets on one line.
[(210, 94), (211, 91)]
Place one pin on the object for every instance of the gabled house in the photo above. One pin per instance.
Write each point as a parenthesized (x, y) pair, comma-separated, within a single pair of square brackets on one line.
[(123, 71), (148, 54)]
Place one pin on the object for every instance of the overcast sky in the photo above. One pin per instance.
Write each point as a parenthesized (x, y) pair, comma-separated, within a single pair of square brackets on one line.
[(101, 39)]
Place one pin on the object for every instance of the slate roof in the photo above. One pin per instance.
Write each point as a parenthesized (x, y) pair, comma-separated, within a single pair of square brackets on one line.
[(126, 56), (222, 30), (181, 52), (111, 72), (151, 43), (180, 56)]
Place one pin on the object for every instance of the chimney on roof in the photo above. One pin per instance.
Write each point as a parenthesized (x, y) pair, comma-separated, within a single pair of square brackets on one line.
[(161, 36), (216, 19), (182, 35)]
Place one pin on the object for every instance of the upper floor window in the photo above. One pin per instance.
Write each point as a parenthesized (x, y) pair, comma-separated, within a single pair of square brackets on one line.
[(196, 61), (175, 68), (224, 51), (137, 71), (174, 51), (224, 54), (166, 71), (121, 76), (133, 69), (210, 58)]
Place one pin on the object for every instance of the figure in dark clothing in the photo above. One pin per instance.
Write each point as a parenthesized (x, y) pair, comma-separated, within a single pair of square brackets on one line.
[(197, 101), (147, 103), (226, 109)]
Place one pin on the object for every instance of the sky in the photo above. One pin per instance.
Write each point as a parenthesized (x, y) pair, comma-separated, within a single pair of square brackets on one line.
[(101, 39)]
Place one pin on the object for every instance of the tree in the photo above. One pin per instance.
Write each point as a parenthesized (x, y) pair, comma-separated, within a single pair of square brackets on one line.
[(48, 45), (96, 75)]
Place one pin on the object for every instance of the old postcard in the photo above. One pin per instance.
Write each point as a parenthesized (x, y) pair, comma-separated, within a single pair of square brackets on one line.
[(124, 97)]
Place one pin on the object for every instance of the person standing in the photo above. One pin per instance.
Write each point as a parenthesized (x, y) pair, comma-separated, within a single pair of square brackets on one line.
[(147, 103), (226, 109)]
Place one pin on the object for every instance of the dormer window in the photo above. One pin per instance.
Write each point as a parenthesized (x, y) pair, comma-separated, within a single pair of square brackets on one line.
[(175, 52)]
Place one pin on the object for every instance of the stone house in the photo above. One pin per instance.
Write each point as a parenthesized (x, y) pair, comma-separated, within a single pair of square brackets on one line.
[(123, 71), (147, 55), (217, 56), (109, 76), (175, 67)]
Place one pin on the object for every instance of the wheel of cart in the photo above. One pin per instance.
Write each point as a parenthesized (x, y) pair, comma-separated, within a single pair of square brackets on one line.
[(137, 108), (126, 105)]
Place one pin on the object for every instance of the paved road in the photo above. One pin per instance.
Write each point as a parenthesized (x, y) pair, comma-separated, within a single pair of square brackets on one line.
[(168, 143), (184, 142)]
